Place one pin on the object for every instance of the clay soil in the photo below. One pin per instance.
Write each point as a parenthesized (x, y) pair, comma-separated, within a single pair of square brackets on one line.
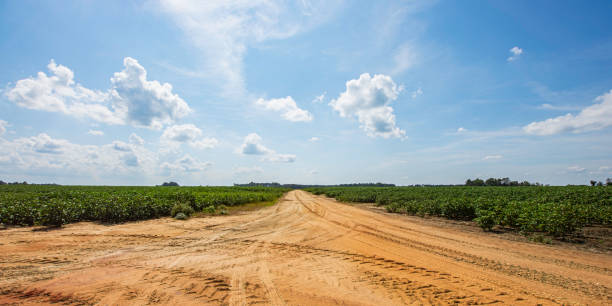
[(305, 250)]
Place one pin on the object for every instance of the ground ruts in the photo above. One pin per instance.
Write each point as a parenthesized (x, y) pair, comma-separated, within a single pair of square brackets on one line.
[(304, 250)]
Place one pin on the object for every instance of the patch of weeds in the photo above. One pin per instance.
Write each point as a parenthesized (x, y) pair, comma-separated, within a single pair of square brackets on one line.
[(183, 208), (539, 238)]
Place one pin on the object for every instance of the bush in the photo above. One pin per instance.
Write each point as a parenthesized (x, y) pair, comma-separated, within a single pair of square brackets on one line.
[(183, 208), (209, 210)]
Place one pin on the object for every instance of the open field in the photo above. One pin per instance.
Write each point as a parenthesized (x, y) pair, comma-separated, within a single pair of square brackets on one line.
[(304, 250), (56, 205), (557, 211)]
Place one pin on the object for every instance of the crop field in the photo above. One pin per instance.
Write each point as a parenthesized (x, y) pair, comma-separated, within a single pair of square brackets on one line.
[(552, 210), (57, 205)]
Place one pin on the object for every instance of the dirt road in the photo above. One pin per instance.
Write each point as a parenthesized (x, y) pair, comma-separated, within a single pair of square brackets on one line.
[(306, 250)]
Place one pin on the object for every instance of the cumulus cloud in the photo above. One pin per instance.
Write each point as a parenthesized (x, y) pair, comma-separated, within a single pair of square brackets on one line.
[(44, 154), (516, 52), (185, 164), (95, 133), (252, 146), (43, 143), (147, 103), (121, 146), (189, 134), (313, 139), (224, 29), (3, 125), (461, 130), (493, 157), (287, 107), (368, 98), (595, 117), (135, 139), (132, 99)]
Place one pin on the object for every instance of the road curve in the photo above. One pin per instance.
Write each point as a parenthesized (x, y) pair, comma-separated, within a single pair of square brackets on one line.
[(306, 250)]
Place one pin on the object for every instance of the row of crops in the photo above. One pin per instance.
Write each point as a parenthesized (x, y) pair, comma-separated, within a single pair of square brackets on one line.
[(57, 205), (558, 211)]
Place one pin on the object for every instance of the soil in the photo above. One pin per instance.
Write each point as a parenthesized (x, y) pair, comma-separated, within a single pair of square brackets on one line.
[(305, 250)]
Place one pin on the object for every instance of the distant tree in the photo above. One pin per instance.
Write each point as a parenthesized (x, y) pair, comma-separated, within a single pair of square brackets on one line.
[(593, 183), (478, 182), (2, 182), (600, 183), (170, 184), (468, 182), (492, 182), (609, 182)]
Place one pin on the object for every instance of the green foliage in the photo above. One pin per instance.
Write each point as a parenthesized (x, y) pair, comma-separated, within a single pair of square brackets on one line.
[(556, 211), (181, 208), (57, 205), (209, 210)]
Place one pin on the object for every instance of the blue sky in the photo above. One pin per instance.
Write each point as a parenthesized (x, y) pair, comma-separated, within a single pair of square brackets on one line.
[(222, 92)]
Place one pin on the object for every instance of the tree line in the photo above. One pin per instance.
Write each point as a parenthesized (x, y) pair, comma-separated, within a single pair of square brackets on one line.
[(498, 182)]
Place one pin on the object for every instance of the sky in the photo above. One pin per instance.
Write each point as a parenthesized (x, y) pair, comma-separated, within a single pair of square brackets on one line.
[(311, 92)]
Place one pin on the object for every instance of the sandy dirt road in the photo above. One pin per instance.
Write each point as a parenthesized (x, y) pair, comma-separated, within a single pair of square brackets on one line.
[(306, 250)]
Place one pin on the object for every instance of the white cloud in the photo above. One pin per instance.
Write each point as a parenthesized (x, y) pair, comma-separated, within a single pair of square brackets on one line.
[(461, 130), (181, 133), (576, 169), (135, 139), (43, 143), (132, 99), (417, 93), (175, 135), (121, 146), (547, 106), (205, 143), (595, 117), (185, 164), (516, 52), (3, 125), (313, 139), (280, 158), (493, 157), (320, 98), (287, 107), (147, 103), (224, 29), (95, 133), (45, 155), (368, 98), (405, 58), (252, 146)]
